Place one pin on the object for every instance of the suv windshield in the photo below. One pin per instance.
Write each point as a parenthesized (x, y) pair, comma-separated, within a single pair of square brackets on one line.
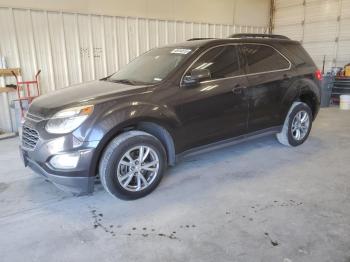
[(151, 67)]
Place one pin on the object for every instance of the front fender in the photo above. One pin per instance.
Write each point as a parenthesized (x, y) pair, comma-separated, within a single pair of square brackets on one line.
[(113, 118)]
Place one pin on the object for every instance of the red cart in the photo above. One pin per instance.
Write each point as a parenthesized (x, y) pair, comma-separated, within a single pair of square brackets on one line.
[(27, 90)]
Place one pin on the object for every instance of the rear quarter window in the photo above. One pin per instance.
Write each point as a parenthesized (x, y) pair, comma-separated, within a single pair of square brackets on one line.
[(298, 54), (263, 58)]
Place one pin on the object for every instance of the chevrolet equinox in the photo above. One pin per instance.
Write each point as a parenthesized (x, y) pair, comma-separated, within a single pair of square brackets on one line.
[(128, 127)]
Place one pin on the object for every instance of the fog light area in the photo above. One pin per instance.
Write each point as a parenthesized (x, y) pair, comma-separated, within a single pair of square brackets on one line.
[(65, 161)]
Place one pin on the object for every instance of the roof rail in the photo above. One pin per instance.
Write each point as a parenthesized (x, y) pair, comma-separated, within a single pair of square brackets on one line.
[(199, 38), (247, 35)]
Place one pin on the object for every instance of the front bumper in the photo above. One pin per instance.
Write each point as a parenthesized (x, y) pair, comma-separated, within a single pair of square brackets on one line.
[(74, 184), (78, 180)]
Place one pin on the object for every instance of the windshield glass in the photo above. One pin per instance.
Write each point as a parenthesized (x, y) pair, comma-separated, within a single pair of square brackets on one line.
[(151, 67)]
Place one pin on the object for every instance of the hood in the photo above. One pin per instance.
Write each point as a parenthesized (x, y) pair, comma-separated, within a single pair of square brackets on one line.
[(80, 94)]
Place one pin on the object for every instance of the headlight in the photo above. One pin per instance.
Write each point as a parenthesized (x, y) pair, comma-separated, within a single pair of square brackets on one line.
[(67, 120)]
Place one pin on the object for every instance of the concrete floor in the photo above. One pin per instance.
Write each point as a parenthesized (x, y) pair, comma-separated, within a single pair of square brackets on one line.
[(256, 201)]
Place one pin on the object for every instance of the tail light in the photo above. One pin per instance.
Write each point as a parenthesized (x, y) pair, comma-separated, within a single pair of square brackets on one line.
[(318, 75)]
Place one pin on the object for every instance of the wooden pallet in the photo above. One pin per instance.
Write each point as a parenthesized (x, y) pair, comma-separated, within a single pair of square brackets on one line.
[(8, 71), (7, 90)]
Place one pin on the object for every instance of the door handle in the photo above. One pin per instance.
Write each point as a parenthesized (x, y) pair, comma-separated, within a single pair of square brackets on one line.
[(286, 77), (238, 90)]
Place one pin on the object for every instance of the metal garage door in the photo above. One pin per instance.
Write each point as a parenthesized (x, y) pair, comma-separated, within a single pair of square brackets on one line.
[(323, 27)]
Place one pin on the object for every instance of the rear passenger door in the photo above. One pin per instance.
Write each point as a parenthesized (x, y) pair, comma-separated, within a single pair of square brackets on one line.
[(268, 79)]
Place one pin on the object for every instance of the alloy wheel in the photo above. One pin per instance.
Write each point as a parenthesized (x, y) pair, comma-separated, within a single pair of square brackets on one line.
[(300, 125), (138, 168)]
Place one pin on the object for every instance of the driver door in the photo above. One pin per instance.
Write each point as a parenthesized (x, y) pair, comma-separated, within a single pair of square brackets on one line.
[(215, 108)]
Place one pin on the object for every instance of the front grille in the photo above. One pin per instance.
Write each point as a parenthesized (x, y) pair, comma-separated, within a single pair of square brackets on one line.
[(30, 137), (33, 117)]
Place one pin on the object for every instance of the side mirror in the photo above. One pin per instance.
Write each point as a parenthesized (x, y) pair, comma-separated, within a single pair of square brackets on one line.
[(197, 75)]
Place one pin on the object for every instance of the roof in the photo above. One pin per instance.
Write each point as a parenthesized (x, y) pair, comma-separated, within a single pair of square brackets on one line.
[(238, 38)]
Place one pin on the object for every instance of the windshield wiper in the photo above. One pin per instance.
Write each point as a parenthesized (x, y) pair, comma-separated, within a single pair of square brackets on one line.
[(124, 81)]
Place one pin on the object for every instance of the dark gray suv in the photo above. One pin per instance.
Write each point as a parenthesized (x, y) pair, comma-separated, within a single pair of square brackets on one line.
[(128, 127)]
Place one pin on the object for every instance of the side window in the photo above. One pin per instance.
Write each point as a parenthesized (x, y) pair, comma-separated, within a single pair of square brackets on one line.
[(221, 61), (262, 58)]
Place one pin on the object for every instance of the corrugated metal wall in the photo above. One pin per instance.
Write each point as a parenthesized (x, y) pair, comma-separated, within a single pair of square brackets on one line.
[(323, 27), (70, 48)]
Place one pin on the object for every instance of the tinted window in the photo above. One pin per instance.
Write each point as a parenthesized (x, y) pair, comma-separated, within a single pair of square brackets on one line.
[(298, 54), (220, 61), (261, 58)]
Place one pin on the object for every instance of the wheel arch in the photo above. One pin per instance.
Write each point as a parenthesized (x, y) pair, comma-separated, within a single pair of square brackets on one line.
[(310, 94), (302, 90), (310, 99), (151, 126)]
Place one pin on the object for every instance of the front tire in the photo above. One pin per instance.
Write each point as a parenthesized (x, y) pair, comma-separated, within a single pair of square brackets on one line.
[(297, 125), (132, 165)]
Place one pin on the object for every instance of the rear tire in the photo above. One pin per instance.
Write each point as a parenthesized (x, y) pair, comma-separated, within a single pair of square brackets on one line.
[(297, 125), (132, 165)]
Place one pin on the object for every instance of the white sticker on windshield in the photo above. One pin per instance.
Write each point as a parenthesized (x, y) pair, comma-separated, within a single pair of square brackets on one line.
[(181, 51)]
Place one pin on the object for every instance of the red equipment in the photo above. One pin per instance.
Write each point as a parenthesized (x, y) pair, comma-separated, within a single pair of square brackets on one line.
[(27, 90)]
